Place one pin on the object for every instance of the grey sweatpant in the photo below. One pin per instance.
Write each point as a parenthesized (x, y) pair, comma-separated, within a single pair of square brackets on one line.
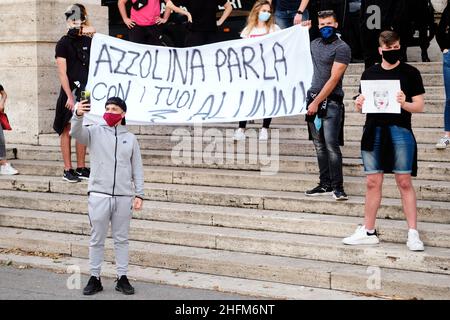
[(2, 145), (118, 210)]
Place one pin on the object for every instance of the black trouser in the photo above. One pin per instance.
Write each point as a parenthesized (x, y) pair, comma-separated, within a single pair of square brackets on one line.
[(352, 34), (146, 35), (199, 38), (266, 123)]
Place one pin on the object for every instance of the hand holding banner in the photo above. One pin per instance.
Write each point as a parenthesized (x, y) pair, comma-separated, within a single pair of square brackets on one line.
[(222, 82)]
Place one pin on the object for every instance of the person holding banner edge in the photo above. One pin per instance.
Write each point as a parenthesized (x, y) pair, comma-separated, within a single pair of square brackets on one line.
[(72, 59), (388, 144), (325, 110), (203, 27), (144, 20), (115, 188), (260, 22)]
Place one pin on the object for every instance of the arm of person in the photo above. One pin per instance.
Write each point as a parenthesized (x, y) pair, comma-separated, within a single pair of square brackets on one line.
[(299, 17), (337, 71), (138, 175), (64, 80), (174, 8), (166, 15), (417, 104), (3, 100), (77, 130), (123, 13), (226, 13)]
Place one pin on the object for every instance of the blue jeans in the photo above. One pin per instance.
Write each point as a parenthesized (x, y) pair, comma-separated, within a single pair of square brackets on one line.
[(446, 59), (285, 19), (326, 142), (404, 149)]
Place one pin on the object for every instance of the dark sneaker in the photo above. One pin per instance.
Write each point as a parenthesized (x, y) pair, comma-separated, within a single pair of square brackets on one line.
[(319, 191), (340, 195), (71, 176), (124, 286), (83, 173), (94, 285)]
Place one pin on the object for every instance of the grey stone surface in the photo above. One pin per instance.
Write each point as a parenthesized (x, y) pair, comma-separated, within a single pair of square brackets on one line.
[(36, 284)]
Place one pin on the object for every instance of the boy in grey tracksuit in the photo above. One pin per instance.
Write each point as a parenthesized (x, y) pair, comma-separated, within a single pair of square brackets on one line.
[(116, 186)]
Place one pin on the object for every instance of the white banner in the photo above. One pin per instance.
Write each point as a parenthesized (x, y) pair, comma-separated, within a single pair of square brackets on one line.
[(229, 81)]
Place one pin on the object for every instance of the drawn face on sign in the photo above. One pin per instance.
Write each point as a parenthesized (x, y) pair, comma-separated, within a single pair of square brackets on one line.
[(381, 99)]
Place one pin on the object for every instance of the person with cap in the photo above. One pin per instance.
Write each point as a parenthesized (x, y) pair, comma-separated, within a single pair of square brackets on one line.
[(72, 59), (116, 187)]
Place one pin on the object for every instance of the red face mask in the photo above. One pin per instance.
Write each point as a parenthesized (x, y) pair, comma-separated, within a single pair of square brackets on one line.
[(112, 118)]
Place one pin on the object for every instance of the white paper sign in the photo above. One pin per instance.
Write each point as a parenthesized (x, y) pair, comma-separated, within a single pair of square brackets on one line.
[(380, 96), (223, 82)]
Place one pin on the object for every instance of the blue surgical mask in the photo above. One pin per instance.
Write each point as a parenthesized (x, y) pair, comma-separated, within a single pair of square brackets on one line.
[(327, 32), (264, 16)]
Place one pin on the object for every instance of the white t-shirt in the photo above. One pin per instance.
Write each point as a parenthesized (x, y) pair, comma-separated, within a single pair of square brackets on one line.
[(257, 32)]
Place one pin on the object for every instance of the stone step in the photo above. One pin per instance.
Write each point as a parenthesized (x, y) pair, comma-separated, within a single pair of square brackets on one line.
[(429, 79), (432, 234), (387, 255), (425, 189), (253, 288), (438, 171), (421, 120), (428, 211), (296, 271), (424, 68), (182, 145), (300, 131)]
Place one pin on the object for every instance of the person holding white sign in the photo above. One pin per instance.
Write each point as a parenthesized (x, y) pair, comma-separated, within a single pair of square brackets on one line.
[(388, 144), (260, 22)]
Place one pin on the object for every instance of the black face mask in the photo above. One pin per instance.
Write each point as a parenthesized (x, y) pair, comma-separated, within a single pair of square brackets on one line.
[(74, 32), (391, 56)]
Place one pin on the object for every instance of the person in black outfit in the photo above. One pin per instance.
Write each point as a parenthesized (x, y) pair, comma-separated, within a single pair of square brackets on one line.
[(72, 59), (393, 17), (388, 144), (203, 29), (422, 19)]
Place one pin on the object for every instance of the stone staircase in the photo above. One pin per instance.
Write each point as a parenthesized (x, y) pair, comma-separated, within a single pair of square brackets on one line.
[(237, 225)]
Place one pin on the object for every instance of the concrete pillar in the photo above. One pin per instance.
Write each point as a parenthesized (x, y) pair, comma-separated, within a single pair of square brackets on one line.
[(30, 30)]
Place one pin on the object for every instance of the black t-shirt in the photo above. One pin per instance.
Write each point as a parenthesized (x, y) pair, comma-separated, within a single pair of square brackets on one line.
[(411, 84), (287, 5), (203, 13), (76, 51)]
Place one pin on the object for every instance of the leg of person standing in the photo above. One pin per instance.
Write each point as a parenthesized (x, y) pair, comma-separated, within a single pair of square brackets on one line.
[(99, 209), (121, 213), (5, 167), (324, 187), (332, 123), (445, 140)]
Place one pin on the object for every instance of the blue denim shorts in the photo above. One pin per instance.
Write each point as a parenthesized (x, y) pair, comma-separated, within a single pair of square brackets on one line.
[(404, 149)]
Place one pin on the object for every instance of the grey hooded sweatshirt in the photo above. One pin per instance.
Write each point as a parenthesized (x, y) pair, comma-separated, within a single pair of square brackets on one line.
[(115, 158)]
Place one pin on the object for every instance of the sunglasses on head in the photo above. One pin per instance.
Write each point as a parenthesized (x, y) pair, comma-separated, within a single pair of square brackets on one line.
[(325, 13)]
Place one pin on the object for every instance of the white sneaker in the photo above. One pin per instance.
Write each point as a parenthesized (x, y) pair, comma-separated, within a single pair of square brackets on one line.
[(263, 135), (443, 143), (7, 169), (361, 237), (414, 243), (239, 135)]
